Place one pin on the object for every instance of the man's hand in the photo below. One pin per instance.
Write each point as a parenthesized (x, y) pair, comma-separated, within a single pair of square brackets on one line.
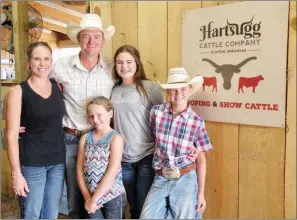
[(91, 206), (194, 154), (201, 203), (22, 129), (19, 185)]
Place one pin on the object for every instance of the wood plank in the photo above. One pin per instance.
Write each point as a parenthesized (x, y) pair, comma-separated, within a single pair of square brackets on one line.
[(261, 168), (54, 13), (20, 37), (290, 168), (176, 10), (53, 36), (103, 9), (6, 182), (51, 39), (223, 185), (225, 153), (78, 5), (66, 44), (152, 38), (124, 18), (261, 172), (54, 27), (65, 8)]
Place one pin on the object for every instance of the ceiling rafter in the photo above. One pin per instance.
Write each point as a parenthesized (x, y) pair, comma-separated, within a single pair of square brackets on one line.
[(61, 7), (56, 14)]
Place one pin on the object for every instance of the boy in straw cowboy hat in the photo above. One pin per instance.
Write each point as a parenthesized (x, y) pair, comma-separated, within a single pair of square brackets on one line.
[(82, 77), (177, 191)]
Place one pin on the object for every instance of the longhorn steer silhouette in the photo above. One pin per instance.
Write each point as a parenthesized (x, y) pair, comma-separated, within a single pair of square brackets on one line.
[(227, 70)]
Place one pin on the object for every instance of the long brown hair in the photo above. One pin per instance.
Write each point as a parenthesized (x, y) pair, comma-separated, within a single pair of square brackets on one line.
[(30, 50), (139, 75)]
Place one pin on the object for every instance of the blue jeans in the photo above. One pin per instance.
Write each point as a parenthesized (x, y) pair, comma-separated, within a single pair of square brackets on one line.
[(113, 209), (138, 178), (75, 199), (172, 199), (46, 186)]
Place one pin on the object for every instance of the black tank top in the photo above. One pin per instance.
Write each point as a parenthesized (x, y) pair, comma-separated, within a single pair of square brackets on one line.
[(42, 144)]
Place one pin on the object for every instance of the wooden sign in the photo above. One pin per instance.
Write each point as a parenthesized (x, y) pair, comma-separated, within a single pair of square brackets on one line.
[(241, 51)]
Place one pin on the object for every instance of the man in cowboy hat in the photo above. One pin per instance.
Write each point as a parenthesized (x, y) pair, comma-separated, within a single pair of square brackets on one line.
[(82, 76), (178, 130)]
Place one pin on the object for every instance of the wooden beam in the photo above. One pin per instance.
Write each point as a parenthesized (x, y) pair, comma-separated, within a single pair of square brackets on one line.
[(76, 5), (54, 27), (20, 37), (55, 13), (62, 7), (66, 44)]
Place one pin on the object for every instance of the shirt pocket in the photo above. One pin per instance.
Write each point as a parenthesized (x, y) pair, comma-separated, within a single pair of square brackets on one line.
[(76, 89)]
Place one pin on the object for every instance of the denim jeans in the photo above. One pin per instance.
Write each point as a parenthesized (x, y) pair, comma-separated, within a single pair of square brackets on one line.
[(75, 199), (46, 186), (172, 199), (138, 178), (113, 209)]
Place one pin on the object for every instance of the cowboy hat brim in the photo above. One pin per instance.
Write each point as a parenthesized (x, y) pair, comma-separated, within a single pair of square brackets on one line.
[(72, 30), (196, 84)]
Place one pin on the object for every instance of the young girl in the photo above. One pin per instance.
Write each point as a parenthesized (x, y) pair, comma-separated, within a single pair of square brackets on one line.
[(99, 157), (132, 98)]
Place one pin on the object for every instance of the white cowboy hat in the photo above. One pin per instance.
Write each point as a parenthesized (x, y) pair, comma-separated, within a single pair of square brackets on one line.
[(178, 77), (89, 21)]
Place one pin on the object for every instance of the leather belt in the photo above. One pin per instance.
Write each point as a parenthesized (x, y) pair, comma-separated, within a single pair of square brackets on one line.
[(182, 171), (75, 132)]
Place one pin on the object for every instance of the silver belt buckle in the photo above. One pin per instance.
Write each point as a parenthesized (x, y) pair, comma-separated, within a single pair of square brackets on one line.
[(171, 173)]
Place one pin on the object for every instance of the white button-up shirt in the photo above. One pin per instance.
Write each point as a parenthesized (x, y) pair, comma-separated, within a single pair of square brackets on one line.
[(80, 85)]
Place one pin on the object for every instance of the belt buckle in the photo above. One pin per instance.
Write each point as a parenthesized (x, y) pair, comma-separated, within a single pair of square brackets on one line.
[(75, 132), (171, 173)]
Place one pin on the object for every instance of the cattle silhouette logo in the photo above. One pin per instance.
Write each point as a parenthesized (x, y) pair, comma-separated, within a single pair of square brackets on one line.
[(249, 82), (227, 70), (210, 81)]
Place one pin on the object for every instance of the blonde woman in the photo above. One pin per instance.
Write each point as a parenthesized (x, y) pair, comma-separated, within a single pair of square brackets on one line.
[(37, 158)]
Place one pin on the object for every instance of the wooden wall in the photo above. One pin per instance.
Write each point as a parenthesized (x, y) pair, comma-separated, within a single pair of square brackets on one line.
[(252, 169)]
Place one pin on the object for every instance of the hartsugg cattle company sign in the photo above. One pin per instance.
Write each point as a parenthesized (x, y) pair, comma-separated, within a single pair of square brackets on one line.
[(240, 50)]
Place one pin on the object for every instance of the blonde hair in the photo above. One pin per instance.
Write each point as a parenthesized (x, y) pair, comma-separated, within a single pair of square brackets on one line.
[(100, 100)]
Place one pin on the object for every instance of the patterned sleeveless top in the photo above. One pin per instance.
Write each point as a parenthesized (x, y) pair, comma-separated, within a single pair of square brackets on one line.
[(95, 164)]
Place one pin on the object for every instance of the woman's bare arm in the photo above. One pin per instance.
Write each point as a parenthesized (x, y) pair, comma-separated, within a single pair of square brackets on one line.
[(13, 117)]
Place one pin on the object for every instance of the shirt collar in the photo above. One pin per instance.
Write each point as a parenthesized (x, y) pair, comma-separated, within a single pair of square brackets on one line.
[(186, 113), (76, 62)]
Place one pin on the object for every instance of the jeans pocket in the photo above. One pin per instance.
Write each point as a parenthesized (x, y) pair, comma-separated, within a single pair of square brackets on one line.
[(68, 137)]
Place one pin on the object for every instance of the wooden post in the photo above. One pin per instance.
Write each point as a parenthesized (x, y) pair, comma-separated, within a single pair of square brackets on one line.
[(20, 37)]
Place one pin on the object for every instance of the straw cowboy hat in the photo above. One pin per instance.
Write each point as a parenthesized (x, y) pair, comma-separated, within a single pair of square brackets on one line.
[(178, 77), (89, 21)]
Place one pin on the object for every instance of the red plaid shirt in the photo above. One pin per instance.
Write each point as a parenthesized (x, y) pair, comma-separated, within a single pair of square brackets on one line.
[(176, 137)]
